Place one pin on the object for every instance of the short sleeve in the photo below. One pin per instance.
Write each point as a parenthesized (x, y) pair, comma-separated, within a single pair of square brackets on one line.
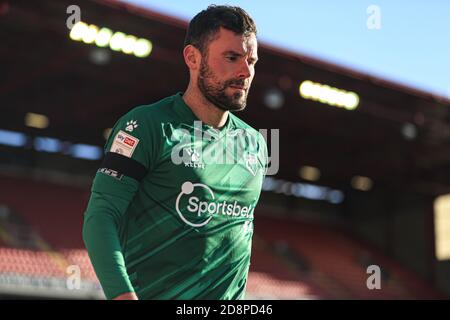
[(129, 154)]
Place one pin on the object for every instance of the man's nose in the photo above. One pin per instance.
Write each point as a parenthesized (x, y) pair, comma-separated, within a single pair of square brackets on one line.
[(244, 70)]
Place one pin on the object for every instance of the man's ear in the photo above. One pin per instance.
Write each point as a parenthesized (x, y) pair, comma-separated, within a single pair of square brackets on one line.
[(192, 57)]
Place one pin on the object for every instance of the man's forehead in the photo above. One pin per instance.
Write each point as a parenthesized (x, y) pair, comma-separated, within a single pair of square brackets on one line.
[(227, 40)]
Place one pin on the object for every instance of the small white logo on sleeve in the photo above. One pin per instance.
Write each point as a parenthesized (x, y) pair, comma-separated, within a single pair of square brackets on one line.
[(131, 125), (124, 144)]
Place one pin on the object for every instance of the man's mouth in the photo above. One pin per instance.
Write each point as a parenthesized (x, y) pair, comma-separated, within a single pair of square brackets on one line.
[(239, 87)]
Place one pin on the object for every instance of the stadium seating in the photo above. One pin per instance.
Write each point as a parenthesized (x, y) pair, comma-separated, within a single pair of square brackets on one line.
[(28, 262), (338, 256), (272, 278), (53, 210)]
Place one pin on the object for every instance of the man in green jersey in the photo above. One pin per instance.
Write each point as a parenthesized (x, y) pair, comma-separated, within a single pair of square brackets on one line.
[(172, 206)]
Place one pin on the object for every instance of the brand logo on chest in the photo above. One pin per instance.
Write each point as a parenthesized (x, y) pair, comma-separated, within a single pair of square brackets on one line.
[(193, 159)]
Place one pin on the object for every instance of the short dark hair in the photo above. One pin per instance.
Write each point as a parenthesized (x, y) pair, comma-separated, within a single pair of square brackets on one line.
[(205, 25)]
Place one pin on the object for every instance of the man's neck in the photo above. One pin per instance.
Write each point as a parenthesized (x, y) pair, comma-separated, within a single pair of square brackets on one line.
[(207, 112)]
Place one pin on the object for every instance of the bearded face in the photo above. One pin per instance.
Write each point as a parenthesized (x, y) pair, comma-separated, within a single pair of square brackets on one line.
[(228, 95), (227, 69)]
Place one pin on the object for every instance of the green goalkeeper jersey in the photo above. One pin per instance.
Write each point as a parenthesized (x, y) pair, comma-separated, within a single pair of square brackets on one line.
[(172, 205)]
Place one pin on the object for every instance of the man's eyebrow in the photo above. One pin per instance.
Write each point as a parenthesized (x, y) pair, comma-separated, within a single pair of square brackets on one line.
[(237, 54), (231, 52)]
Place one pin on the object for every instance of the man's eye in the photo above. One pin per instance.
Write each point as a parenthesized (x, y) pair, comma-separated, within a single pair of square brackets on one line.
[(232, 58)]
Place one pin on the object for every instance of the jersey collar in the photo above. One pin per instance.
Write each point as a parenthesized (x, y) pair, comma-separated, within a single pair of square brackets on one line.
[(185, 112)]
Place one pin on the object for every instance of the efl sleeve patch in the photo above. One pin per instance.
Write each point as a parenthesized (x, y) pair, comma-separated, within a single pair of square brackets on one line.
[(124, 144)]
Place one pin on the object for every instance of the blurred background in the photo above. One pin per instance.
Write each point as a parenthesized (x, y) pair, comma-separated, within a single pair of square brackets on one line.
[(360, 205)]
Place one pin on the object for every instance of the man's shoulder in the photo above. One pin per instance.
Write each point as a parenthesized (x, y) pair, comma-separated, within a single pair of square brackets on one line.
[(155, 111), (241, 124)]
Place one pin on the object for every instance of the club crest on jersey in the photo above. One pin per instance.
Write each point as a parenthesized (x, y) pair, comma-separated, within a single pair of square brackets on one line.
[(251, 163)]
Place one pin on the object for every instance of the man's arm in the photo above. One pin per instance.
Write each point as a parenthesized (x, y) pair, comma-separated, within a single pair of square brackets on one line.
[(126, 162), (127, 296), (100, 235), (110, 198)]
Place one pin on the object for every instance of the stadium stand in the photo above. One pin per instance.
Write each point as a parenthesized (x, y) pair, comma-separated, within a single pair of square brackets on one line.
[(46, 208), (341, 259)]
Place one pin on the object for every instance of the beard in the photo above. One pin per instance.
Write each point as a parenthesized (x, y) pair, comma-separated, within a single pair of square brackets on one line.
[(215, 91)]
